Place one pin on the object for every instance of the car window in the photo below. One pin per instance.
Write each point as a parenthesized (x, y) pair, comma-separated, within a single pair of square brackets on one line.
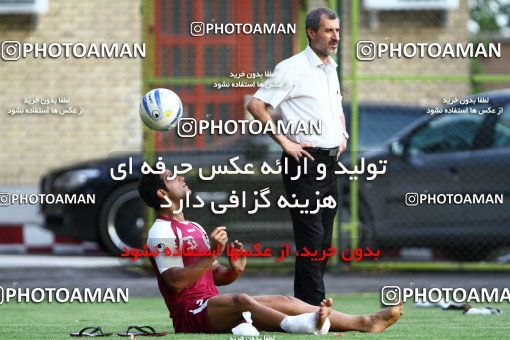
[(502, 129), (378, 124), (448, 133)]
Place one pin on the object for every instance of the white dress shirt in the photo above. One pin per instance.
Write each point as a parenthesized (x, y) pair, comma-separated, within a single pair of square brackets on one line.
[(311, 91)]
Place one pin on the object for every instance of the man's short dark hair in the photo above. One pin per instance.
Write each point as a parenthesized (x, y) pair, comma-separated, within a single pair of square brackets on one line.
[(313, 18), (148, 186)]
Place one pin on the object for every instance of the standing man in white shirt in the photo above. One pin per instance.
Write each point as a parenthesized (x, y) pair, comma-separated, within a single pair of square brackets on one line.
[(310, 91)]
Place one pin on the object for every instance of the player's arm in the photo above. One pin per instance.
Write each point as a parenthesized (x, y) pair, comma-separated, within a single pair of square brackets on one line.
[(223, 275), (178, 278)]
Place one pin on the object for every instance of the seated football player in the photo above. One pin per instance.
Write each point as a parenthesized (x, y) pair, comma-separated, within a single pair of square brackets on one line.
[(188, 283)]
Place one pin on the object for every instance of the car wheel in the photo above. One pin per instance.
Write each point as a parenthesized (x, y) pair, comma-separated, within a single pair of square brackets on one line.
[(121, 220)]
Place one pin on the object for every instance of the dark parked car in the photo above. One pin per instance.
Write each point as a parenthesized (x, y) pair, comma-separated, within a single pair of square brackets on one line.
[(443, 153), (116, 218)]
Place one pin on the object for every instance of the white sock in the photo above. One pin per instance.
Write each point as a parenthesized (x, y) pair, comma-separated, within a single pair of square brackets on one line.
[(304, 324), (325, 328), (299, 324)]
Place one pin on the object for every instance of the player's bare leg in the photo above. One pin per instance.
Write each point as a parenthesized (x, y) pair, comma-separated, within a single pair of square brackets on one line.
[(224, 312), (385, 318), (340, 322)]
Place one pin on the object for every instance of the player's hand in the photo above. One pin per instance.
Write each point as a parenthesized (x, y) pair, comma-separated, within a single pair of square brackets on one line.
[(219, 237), (297, 150), (342, 147), (240, 263)]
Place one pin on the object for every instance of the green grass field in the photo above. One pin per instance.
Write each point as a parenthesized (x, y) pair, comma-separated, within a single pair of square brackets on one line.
[(54, 321)]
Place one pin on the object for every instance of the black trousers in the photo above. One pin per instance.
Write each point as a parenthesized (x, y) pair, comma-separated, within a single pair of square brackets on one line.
[(314, 231)]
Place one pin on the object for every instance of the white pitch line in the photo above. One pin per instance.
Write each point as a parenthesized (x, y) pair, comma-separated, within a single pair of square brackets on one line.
[(52, 261)]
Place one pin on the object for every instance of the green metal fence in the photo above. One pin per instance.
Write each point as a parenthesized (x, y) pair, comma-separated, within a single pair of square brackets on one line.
[(352, 79)]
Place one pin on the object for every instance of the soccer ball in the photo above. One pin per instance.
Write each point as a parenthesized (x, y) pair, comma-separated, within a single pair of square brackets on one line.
[(161, 109)]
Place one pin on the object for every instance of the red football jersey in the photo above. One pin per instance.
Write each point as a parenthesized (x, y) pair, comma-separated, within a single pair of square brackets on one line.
[(173, 234)]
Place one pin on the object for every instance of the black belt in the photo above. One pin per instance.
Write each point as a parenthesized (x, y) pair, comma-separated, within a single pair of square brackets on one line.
[(323, 151)]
